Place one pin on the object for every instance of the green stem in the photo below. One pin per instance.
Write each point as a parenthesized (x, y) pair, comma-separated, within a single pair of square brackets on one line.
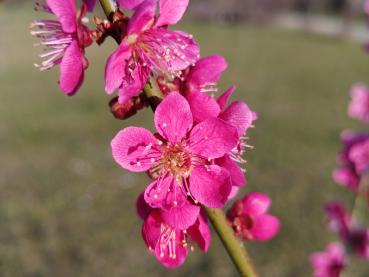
[(108, 7), (233, 245)]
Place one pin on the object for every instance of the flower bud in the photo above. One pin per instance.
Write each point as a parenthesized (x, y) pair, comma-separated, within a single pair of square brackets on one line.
[(129, 108)]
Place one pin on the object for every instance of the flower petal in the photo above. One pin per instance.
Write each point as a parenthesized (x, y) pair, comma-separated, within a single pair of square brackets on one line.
[(224, 98), (206, 71), (265, 227), (237, 175), (170, 12), (115, 67), (181, 217), (65, 11), (135, 149), (142, 208), (256, 203), (210, 186), (151, 230), (132, 85), (157, 193), (203, 106), (213, 138), (239, 115), (71, 69), (173, 118), (234, 192), (129, 4), (200, 233), (173, 254), (142, 18)]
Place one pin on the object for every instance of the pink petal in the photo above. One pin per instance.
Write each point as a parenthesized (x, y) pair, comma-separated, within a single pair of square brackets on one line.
[(234, 192), (181, 217), (133, 85), (115, 67), (180, 252), (151, 230), (71, 69), (65, 11), (265, 227), (224, 98), (170, 12), (129, 4), (347, 176), (142, 208), (135, 149), (90, 4), (203, 106), (200, 233), (256, 203), (237, 175), (173, 118), (159, 194), (238, 115), (210, 186), (143, 17), (206, 71), (213, 138)]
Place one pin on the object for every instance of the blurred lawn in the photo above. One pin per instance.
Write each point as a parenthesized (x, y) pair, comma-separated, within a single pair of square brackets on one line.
[(66, 209)]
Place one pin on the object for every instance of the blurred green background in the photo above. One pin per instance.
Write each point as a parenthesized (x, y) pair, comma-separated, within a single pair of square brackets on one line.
[(66, 209)]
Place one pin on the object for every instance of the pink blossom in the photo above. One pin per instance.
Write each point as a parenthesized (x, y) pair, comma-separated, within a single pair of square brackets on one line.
[(347, 174), (340, 221), (150, 47), (250, 220), (359, 105), (170, 245), (65, 40), (181, 160), (329, 263), (359, 155)]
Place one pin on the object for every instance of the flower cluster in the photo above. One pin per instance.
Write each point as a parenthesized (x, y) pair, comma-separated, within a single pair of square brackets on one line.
[(353, 161), (194, 159)]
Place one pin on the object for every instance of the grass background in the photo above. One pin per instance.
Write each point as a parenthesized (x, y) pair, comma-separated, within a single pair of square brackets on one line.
[(66, 209)]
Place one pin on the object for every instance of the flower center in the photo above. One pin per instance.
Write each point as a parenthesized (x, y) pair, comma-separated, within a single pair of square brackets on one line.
[(177, 161)]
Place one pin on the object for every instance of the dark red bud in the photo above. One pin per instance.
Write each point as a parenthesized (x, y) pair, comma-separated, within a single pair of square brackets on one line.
[(129, 108)]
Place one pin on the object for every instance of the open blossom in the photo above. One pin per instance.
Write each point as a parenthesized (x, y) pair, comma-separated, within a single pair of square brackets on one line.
[(347, 174), (250, 220), (330, 263), (170, 245), (355, 237), (65, 40), (359, 105), (359, 155), (150, 47), (180, 159)]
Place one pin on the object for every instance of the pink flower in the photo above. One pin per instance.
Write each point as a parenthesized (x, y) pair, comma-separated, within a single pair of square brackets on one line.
[(65, 40), (347, 174), (170, 245), (359, 155), (329, 263), (359, 105), (150, 47), (180, 159), (340, 221), (249, 219)]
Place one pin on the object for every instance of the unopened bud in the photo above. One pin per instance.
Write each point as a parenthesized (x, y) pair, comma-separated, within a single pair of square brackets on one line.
[(129, 108)]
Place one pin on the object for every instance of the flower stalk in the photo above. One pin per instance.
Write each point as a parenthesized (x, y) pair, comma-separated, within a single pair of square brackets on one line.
[(233, 245)]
